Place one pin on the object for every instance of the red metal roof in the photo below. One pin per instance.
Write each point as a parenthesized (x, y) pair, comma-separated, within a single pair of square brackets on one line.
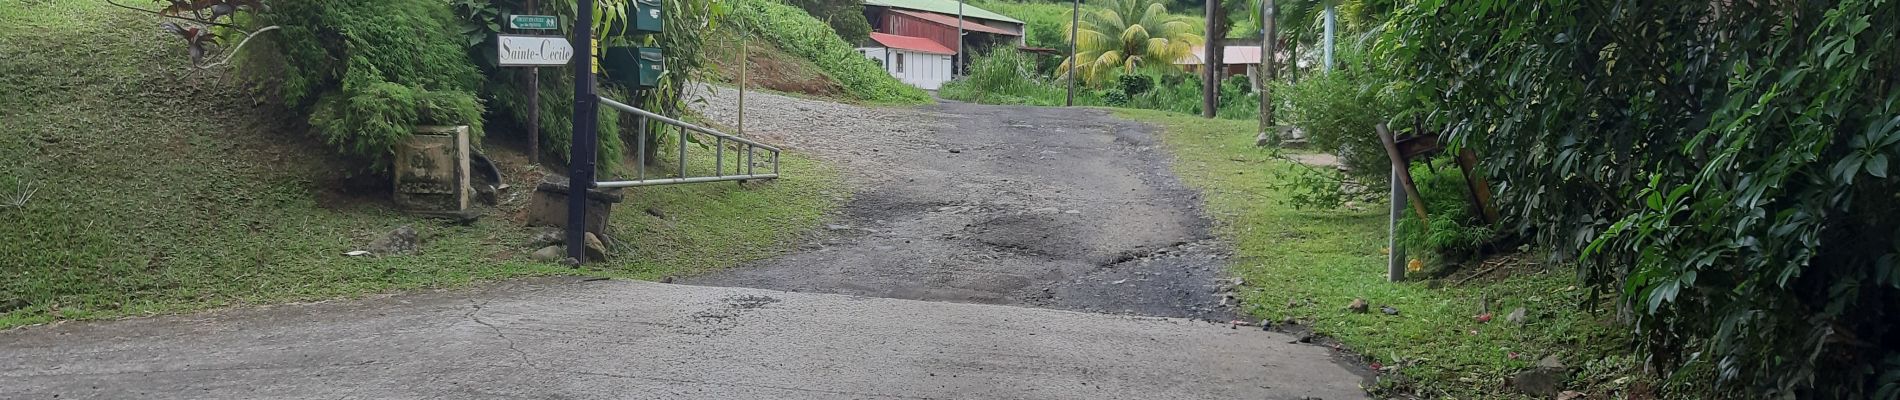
[(910, 43), (951, 21)]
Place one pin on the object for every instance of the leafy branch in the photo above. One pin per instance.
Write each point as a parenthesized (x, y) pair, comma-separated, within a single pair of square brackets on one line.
[(197, 25)]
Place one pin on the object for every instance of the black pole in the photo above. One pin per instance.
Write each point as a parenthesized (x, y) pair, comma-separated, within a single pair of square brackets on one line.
[(1075, 19), (581, 157)]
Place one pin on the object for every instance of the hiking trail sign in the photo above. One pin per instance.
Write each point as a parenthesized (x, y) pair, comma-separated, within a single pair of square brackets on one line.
[(532, 51), (533, 22)]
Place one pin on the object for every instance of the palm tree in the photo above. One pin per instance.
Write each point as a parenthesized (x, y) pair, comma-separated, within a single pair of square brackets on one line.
[(1129, 35)]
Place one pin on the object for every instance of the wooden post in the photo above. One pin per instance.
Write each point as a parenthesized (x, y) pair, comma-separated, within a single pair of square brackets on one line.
[(1399, 167), (1479, 189), (1075, 22)]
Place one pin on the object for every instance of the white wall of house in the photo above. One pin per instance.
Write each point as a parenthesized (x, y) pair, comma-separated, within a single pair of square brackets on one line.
[(923, 70)]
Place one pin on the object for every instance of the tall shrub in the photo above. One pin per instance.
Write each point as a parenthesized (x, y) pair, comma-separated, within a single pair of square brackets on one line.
[(368, 71), (1724, 167)]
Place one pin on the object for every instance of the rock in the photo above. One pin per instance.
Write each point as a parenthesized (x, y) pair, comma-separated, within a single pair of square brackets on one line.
[(547, 237), (596, 251), (1541, 382), (1358, 305), (549, 254), (1388, 310), (401, 241), (1551, 362), (1264, 139), (1570, 395), (1304, 338), (1289, 321), (666, 279), (12, 304), (1517, 316)]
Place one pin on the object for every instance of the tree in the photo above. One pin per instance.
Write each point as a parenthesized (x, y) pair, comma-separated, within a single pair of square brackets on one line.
[(1129, 35), (845, 16)]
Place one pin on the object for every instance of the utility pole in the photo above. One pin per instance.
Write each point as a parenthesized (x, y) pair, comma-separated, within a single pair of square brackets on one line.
[(745, 62), (1332, 18), (1075, 20), (1268, 49), (1211, 62), (961, 57), (534, 106), (580, 159)]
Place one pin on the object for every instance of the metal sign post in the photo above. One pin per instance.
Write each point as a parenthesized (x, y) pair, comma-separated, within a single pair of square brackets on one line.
[(580, 177)]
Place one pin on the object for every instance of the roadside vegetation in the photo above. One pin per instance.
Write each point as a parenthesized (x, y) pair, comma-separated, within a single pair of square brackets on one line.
[(139, 186), (1309, 264), (1728, 229)]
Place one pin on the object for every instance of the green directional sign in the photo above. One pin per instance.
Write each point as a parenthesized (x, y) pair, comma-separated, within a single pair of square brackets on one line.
[(540, 22)]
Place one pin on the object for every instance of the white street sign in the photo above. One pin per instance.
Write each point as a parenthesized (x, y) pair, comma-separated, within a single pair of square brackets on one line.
[(535, 51)]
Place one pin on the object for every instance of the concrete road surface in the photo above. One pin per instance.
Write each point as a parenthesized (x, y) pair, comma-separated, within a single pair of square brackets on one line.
[(572, 339)]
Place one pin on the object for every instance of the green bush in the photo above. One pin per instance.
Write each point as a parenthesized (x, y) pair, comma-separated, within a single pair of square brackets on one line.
[(1453, 233), (1338, 111), (798, 33), (1725, 167), (846, 17), (368, 72), (1005, 76)]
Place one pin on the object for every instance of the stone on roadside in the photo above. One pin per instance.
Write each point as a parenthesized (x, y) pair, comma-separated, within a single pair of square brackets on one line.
[(549, 254), (1517, 316), (547, 237), (596, 250), (1570, 395), (1358, 305), (1541, 382), (401, 241)]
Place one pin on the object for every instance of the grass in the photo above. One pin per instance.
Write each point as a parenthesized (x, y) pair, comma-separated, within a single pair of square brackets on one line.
[(161, 190), (1323, 259)]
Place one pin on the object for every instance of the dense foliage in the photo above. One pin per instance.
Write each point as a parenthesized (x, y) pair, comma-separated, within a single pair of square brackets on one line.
[(1009, 77), (798, 33), (846, 17), (368, 72), (1724, 166), (1045, 24)]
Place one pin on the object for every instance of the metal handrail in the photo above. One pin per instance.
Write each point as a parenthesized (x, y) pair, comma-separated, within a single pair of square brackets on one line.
[(719, 154)]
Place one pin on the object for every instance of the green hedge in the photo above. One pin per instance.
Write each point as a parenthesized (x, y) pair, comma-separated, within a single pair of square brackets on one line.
[(799, 34)]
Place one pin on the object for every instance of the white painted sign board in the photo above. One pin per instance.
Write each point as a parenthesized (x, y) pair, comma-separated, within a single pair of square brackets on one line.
[(533, 51)]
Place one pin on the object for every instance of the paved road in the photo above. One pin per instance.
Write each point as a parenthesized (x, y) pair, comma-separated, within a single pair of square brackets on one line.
[(564, 338), (1038, 206)]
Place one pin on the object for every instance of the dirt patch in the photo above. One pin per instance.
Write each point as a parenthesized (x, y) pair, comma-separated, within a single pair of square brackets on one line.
[(767, 67)]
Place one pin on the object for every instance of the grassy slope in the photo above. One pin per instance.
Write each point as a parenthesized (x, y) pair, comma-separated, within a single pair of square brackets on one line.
[(163, 191), (768, 68), (1330, 257)]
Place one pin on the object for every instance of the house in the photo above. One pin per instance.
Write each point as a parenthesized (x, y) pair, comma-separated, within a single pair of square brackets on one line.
[(936, 20), (916, 61)]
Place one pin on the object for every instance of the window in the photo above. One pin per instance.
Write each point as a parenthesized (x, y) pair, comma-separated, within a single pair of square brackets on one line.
[(900, 63)]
